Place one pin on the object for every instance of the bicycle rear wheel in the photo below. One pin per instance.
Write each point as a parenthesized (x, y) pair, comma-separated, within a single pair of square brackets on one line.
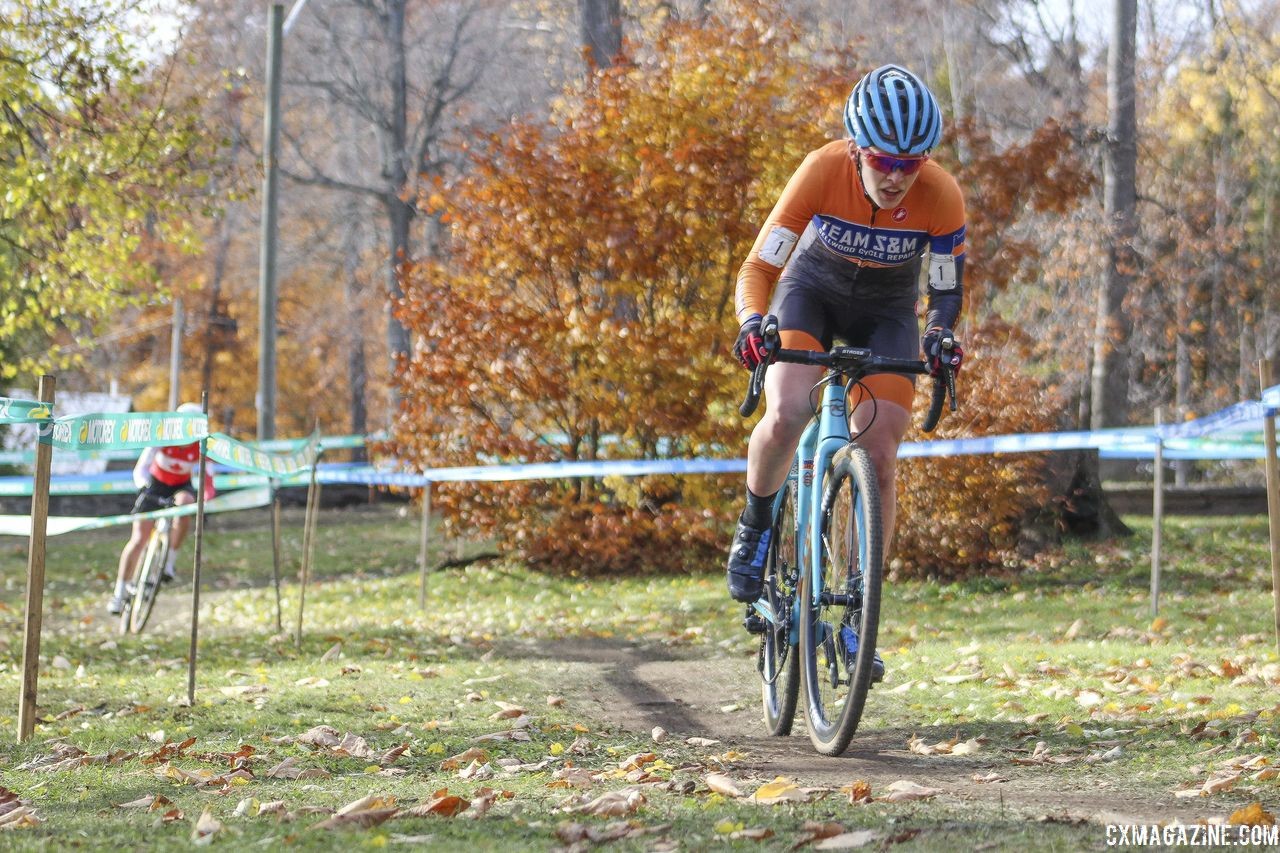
[(779, 656), (836, 676), (146, 580)]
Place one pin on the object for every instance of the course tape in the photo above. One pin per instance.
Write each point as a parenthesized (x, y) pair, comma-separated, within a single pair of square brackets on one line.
[(20, 525), (137, 430), (225, 449), (275, 445), (535, 471), (121, 483), (23, 411)]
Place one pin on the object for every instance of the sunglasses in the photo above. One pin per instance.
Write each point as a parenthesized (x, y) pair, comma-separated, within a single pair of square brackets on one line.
[(889, 163)]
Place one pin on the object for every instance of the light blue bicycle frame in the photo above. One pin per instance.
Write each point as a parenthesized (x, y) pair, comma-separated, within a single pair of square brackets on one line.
[(822, 439)]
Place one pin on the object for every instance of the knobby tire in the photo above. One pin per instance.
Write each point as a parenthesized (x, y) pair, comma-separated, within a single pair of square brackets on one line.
[(851, 563), (146, 579), (779, 656)]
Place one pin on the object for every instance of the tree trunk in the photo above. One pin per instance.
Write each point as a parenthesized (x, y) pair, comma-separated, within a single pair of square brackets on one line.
[(399, 213), (1111, 335), (601, 31), (357, 378)]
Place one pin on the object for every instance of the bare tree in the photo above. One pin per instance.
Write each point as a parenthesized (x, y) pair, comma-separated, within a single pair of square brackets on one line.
[(601, 31), (1110, 379), (404, 71)]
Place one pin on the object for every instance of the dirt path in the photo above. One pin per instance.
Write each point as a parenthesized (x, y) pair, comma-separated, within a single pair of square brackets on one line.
[(687, 693)]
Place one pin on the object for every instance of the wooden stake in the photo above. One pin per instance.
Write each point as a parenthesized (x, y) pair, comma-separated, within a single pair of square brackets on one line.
[(275, 554), (1157, 519), (1273, 497), (422, 547), (195, 574), (308, 527), (35, 573)]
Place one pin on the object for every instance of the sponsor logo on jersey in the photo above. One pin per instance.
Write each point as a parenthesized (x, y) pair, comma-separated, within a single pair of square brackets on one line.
[(899, 214), (890, 246)]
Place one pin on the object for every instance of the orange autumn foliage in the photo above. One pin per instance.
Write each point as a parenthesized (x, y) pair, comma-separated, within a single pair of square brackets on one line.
[(584, 311), (585, 308)]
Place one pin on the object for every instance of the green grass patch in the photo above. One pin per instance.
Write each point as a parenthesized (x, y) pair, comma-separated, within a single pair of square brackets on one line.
[(1057, 677)]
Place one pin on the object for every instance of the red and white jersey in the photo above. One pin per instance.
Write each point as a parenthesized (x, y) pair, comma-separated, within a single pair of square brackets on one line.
[(172, 466)]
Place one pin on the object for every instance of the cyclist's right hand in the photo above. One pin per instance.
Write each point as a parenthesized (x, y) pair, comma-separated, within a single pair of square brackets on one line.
[(749, 348)]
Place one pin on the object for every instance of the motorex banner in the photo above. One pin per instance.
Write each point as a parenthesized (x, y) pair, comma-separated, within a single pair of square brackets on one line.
[(80, 433), (23, 411), (226, 450)]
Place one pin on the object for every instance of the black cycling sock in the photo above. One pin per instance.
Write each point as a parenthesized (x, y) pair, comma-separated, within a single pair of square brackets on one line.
[(759, 511)]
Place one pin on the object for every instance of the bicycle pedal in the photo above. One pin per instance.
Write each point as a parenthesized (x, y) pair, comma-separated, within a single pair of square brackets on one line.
[(755, 623)]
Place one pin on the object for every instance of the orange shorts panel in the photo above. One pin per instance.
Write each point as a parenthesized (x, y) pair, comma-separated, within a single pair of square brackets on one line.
[(890, 387)]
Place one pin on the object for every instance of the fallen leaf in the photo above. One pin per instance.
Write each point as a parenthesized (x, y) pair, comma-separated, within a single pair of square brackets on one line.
[(722, 784), (207, 826), (334, 651), (366, 803), (476, 771), (441, 804), (1252, 815), (756, 833), (816, 830), (393, 754), (847, 840), (1218, 784), (905, 791), (780, 790), (555, 701), (354, 746), (700, 741), (1072, 631), (507, 711), (858, 791), (475, 753), (320, 736), (15, 813), (659, 734), (613, 803), (637, 761)]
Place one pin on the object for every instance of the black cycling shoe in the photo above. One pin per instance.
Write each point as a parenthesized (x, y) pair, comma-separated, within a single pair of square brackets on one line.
[(754, 623), (747, 554), (849, 640)]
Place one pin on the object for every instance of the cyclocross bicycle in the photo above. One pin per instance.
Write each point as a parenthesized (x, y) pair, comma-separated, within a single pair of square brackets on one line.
[(147, 577), (820, 608)]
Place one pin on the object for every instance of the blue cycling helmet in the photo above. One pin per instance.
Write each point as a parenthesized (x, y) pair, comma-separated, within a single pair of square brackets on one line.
[(893, 110)]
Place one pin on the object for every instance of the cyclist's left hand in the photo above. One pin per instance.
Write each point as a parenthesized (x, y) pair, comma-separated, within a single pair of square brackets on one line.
[(931, 344)]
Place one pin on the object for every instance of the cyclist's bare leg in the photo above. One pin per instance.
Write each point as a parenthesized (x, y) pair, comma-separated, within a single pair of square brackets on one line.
[(182, 523), (132, 551), (881, 443), (788, 411)]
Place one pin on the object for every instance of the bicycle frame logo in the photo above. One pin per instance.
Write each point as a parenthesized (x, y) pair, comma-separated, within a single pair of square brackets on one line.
[(808, 473)]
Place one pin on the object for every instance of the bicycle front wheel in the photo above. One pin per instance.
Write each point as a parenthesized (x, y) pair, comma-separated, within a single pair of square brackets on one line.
[(146, 580), (779, 657), (840, 608)]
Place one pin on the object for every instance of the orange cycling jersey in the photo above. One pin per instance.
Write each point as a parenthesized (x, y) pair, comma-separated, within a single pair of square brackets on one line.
[(824, 205)]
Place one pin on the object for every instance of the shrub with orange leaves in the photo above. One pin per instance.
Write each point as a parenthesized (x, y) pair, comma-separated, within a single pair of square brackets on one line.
[(961, 514), (585, 309)]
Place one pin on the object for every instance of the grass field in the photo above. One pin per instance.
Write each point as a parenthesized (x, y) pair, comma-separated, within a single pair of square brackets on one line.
[(1054, 688)]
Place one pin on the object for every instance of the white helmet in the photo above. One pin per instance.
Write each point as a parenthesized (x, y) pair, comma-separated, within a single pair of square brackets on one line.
[(191, 409)]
